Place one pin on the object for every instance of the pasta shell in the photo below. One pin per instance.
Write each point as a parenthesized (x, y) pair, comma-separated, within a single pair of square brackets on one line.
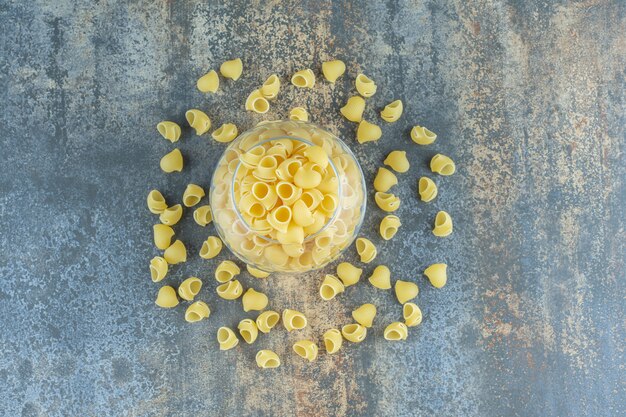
[(192, 195), (226, 338), (166, 298), (365, 86), (443, 224), (158, 268), (299, 113), (366, 250), (331, 286), (197, 311), (396, 331), (381, 277), (198, 120), (156, 202), (257, 273), (437, 275), (348, 273), (232, 69), (172, 162), (398, 161), (303, 79), (248, 330), (306, 349), (332, 340), (257, 103), (230, 290), (189, 288), (169, 130), (267, 320), (368, 132), (162, 236), (422, 136), (293, 320), (406, 291), (267, 359), (392, 111), (427, 189), (270, 87), (442, 165), (412, 314), (389, 226), (387, 202), (254, 300), (209, 82), (333, 70), (226, 271), (354, 333), (176, 253), (203, 215), (211, 247), (353, 110), (365, 314), (226, 133), (384, 180)]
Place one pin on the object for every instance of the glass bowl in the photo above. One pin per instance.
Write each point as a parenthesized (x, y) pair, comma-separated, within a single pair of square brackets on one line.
[(277, 164)]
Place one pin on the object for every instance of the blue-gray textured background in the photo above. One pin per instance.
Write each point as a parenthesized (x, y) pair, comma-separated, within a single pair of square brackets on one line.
[(527, 96)]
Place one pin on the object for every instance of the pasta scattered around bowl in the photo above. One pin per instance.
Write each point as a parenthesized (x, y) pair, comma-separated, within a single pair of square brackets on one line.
[(257, 103), (384, 180), (176, 253), (248, 330), (396, 331), (270, 87), (267, 320), (353, 110), (158, 268), (331, 287), (189, 288), (198, 120), (333, 70), (293, 320), (354, 333), (398, 161), (166, 298), (172, 162), (392, 111), (387, 202), (226, 271), (230, 290), (299, 113), (156, 202), (442, 165), (306, 349), (389, 226), (227, 338), (192, 195), (257, 273), (422, 136), (443, 224), (437, 274), (366, 250), (332, 341), (203, 215), (254, 300), (162, 236), (211, 247), (303, 79), (171, 215), (267, 359), (381, 277), (405, 291), (348, 273), (365, 314), (169, 130), (225, 133), (412, 314), (427, 189), (197, 311), (209, 82), (368, 132), (365, 86), (232, 69)]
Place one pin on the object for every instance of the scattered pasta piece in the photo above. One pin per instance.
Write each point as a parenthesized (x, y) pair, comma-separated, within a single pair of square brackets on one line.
[(267, 320), (198, 120), (293, 320), (387, 202), (172, 161), (226, 338), (304, 79), (354, 333), (254, 300), (368, 132), (197, 311), (442, 165), (392, 111), (203, 215), (384, 180), (176, 253), (299, 113), (189, 288), (257, 103), (365, 86), (422, 136), (248, 330), (270, 87), (267, 359), (209, 82), (306, 349), (171, 215), (437, 274), (366, 250), (211, 247), (396, 331), (381, 277), (365, 314), (158, 268), (257, 273), (230, 290), (192, 195), (166, 297), (389, 226), (232, 69), (427, 189), (226, 133), (412, 314), (443, 224), (169, 130), (226, 271), (162, 236), (348, 273), (330, 287), (406, 291), (332, 341), (333, 70), (353, 110), (156, 202), (398, 161)]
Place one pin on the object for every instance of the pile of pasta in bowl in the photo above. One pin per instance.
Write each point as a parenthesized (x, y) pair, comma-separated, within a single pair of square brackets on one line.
[(289, 196)]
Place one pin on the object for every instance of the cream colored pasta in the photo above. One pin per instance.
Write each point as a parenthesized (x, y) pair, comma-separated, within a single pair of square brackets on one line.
[(365, 86), (267, 320), (248, 330), (412, 314), (437, 274), (348, 273), (270, 87), (189, 288), (197, 311), (442, 165), (192, 195), (172, 162), (302, 216), (443, 224), (387, 202), (381, 277), (293, 320), (353, 110), (398, 161), (405, 291), (276, 255), (368, 132), (267, 359), (317, 155), (166, 297), (333, 70), (354, 333), (365, 314), (306, 349), (257, 103), (366, 250), (226, 338), (158, 268), (162, 236), (307, 177), (422, 136), (198, 120), (203, 215), (232, 69), (330, 287), (230, 290), (176, 253), (384, 180), (226, 271), (171, 215), (304, 79), (280, 218), (211, 247), (396, 331), (169, 130), (392, 111), (254, 300), (389, 226), (266, 170), (427, 189), (332, 340), (156, 202), (257, 273), (226, 133), (299, 113), (209, 82), (265, 194)]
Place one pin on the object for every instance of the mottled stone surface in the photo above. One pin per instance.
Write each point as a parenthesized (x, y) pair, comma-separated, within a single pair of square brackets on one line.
[(528, 97)]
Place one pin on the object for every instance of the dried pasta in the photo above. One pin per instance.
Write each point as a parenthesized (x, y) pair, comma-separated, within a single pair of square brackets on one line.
[(176, 253), (254, 300), (442, 165), (299, 113), (257, 103), (348, 273), (387, 202), (366, 250), (270, 87), (396, 331), (248, 330), (332, 340), (333, 70), (389, 226), (169, 130), (162, 236), (226, 338), (384, 180), (156, 202), (189, 288), (226, 271), (192, 195), (267, 359), (365, 314), (209, 82), (353, 110), (171, 215), (331, 287), (381, 277), (197, 311), (412, 314), (443, 224), (368, 132), (398, 161), (198, 120), (257, 273), (392, 111), (172, 162), (427, 189), (158, 268), (405, 291), (437, 274), (232, 69), (211, 247), (230, 290), (304, 79), (267, 320), (365, 86), (226, 133), (203, 215), (306, 349), (354, 332), (166, 298), (293, 320), (422, 136)]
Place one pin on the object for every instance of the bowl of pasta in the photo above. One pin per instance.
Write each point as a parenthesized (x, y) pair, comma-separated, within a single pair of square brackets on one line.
[(287, 196)]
